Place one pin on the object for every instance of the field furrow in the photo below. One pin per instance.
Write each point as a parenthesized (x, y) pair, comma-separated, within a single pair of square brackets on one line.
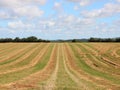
[(13, 53), (33, 60), (16, 56), (111, 67), (50, 83), (99, 77), (59, 66), (63, 81), (78, 71)]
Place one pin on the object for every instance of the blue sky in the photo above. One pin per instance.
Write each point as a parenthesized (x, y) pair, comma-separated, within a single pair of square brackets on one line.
[(60, 19)]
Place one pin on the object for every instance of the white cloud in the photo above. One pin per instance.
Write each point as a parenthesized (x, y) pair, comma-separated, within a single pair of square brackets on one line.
[(118, 0), (116, 25), (39, 2), (29, 11), (58, 7), (10, 4), (19, 8), (20, 25), (12, 31), (51, 23), (109, 9), (76, 8), (4, 15), (82, 2), (69, 19), (16, 3), (60, 23), (85, 2)]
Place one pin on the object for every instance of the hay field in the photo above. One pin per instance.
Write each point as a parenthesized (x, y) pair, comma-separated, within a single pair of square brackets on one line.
[(59, 66)]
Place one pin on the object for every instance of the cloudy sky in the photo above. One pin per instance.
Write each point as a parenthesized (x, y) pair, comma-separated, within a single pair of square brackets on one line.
[(59, 19)]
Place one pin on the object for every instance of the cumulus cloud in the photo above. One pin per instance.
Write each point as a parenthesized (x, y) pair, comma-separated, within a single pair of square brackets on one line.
[(69, 19), (45, 24), (67, 23), (76, 8), (16, 3), (29, 11), (118, 0), (82, 2), (4, 15), (20, 25), (85, 2), (109, 9), (39, 2), (58, 7), (25, 16), (19, 8)]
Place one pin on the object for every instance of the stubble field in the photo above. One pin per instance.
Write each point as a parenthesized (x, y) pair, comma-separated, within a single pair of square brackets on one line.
[(60, 66)]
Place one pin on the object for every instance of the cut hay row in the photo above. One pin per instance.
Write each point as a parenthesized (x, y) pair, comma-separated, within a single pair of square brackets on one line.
[(14, 53), (15, 57), (59, 66), (28, 62), (99, 77), (77, 79), (114, 52), (6, 46), (100, 62), (15, 63), (109, 53), (49, 83), (44, 70), (113, 67), (11, 48), (20, 74), (83, 76), (64, 80), (108, 61), (110, 58), (118, 52)]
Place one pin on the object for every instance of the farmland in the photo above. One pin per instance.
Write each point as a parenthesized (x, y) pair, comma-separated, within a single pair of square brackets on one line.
[(60, 66)]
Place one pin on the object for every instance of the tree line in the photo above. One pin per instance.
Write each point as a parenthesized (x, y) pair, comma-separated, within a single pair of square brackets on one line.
[(35, 39), (104, 39), (28, 39)]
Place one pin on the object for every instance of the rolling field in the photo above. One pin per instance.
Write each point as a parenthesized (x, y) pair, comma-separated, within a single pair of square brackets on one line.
[(60, 66)]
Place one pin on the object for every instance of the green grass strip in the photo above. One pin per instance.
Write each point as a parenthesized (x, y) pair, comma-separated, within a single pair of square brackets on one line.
[(29, 58), (26, 60), (18, 56), (14, 76), (81, 63), (64, 82)]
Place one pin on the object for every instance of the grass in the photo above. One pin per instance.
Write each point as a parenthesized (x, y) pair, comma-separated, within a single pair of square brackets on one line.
[(12, 48), (76, 65), (16, 57), (35, 49), (118, 52), (27, 60), (42, 63), (88, 84), (64, 82), (13, 76), (81, 63)]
